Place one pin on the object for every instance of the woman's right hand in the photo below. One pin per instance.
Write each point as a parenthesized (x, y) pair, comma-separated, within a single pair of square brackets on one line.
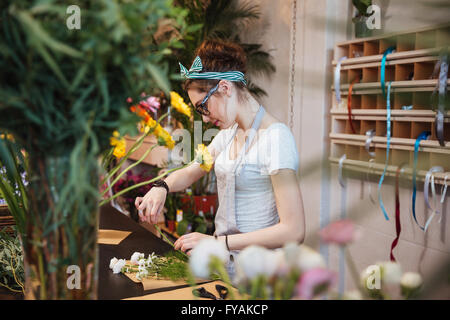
[(151, 205)]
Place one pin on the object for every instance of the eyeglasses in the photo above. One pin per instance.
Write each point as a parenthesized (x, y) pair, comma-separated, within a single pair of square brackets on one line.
[(201, 107)]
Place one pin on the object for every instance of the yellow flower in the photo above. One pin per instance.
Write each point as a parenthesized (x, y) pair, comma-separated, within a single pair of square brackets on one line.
[(164, 138), (204, 157), (119, 145), (178, 103)]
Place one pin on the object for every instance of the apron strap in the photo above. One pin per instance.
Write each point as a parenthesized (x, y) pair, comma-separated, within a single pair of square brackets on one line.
[(253, 130)]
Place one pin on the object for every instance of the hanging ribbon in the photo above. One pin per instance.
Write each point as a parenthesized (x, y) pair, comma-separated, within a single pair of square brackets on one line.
[(434, 210), (383, 69), (340, 175), (337, 80), (398, 227), (444, 192), (443, 74), (423, 136), (369, 134), (349, 103), (388, 139)]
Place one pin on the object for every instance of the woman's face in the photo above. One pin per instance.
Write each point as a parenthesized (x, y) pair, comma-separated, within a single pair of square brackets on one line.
[(222, 113)]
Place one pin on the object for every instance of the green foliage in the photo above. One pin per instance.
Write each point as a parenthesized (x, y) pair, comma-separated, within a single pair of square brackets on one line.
[(11, 263), (12, 188), (228, 20), (59, 85), (361, 6)]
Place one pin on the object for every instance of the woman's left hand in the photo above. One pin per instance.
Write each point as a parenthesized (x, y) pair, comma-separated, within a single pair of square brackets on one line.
[(188, 241)]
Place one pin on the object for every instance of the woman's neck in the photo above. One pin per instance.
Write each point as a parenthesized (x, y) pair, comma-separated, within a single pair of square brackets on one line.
[(247, 112)]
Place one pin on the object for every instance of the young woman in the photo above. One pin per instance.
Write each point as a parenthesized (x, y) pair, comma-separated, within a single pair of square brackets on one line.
[(255, 159)]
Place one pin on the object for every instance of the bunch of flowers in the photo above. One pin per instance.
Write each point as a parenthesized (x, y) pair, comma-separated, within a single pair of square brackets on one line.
[(294, 271), (299, 272), (157, 267)]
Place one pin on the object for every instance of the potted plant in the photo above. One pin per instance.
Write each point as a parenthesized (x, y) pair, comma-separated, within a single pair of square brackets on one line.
[(360, 19)]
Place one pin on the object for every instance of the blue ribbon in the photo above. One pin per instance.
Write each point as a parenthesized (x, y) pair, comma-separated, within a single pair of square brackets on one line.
[(383, 69), (388, 138), (423, 136)]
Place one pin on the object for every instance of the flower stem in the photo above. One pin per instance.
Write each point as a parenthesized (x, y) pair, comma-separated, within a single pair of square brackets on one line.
[(218, 265), (170, 242), (142, 184)]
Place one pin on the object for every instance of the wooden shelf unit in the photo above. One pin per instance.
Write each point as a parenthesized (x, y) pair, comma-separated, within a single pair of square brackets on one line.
[(413, 100)]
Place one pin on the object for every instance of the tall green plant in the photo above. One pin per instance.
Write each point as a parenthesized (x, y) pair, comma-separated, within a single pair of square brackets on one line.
[(62, 94)]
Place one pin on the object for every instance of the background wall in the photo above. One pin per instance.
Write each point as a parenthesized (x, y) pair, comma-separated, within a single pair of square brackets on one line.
[(319, 25)]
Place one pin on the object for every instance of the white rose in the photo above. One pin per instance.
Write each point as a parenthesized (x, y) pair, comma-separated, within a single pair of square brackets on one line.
[(113, 262), (202, 253), (411, 280), (135, 257), (119, 265), (309, 259), (391, 272), (254, 261)]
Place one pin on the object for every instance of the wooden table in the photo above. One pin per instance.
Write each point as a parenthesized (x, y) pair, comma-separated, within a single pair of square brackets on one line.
[(118, 286)]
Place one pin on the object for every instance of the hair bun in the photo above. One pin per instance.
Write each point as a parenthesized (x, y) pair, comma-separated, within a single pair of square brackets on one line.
[(220, 56)]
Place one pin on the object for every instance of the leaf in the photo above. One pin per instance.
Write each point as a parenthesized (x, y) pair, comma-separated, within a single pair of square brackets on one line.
[(34, 28), (159, 77)]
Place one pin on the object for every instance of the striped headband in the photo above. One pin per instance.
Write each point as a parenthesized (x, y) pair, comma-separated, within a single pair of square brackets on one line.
[(195, 73)]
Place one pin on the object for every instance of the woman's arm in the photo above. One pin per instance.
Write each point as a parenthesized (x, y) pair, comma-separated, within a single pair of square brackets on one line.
[(291, 226), (150, 206)]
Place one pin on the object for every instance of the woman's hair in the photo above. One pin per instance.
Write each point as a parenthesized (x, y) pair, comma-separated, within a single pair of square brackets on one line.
[(219, 56)]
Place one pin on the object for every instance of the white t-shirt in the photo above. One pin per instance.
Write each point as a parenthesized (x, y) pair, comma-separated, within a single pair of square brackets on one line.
[(275, 149)]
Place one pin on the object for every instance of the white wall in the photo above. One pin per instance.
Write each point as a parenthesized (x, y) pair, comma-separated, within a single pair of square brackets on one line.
[(321, 24)]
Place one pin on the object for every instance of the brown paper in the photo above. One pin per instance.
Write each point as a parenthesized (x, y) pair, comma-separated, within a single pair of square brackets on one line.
[(151, 283), (186, 293), (111, 236)]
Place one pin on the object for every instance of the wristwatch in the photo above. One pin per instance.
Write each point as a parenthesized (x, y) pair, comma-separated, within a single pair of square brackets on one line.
[(161, 183)]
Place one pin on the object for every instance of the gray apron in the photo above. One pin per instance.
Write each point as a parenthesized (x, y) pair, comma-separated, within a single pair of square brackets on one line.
[(225, 221)]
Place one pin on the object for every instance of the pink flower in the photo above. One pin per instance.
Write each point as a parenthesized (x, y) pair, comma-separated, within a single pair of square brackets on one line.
[(129, 100), (340, 232), (314, 282)]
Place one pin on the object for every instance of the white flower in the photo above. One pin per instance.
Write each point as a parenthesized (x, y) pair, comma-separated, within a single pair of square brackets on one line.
[(309, 259), (142, 262), (142, 274), (135, 257), (119, 265), (291, 252), (256, 261), (113, 262), (411, 280), (391, 272), (202, 253)]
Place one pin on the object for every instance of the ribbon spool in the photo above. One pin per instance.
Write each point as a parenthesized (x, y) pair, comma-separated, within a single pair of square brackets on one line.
[(369, 134), (337, 80), (442, 88)]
